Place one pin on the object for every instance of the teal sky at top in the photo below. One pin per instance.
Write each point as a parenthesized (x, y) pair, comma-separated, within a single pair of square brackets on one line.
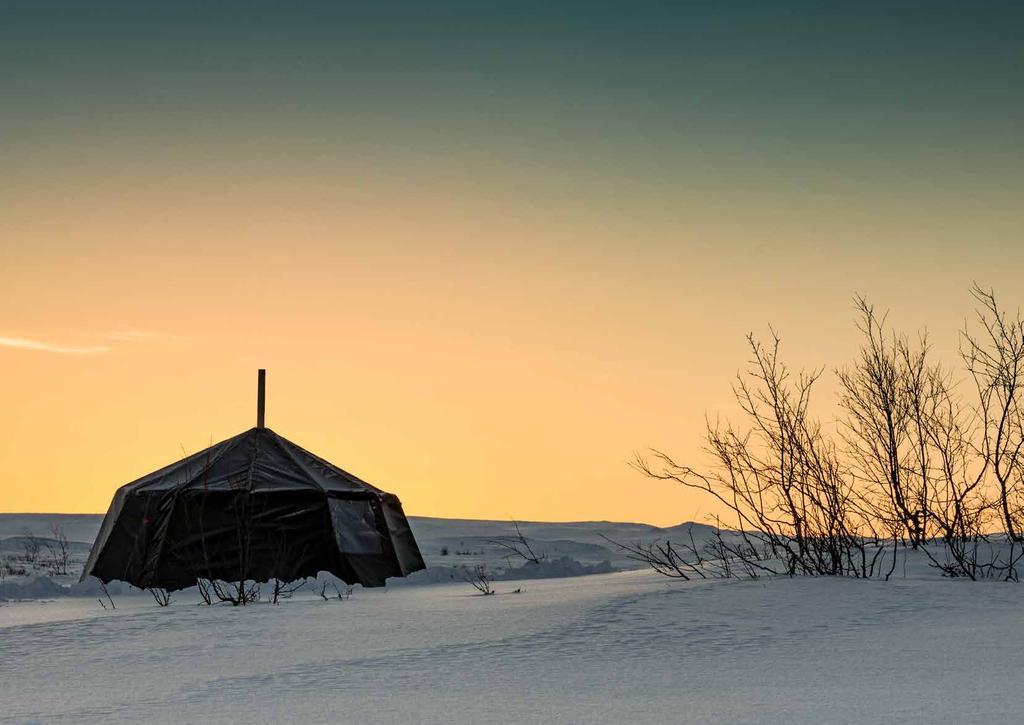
[(861, 128), (648, 85)]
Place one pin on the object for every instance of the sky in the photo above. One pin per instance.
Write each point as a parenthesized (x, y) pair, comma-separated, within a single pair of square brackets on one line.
[(485, 251)]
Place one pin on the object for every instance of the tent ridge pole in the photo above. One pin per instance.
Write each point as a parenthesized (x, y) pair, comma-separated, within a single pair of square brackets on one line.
[(261, 397)]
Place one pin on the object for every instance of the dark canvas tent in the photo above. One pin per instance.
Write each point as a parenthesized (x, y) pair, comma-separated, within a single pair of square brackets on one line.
[(252, 507)]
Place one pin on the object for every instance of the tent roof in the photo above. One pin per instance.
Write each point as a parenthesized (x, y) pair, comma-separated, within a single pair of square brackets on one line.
[(258, 460)]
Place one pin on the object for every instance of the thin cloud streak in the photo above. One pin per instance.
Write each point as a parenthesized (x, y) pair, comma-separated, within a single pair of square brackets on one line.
[(132, 335), (22, 343), (135, 335)]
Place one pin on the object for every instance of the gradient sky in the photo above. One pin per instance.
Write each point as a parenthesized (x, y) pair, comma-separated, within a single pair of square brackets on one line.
[(484, 252)]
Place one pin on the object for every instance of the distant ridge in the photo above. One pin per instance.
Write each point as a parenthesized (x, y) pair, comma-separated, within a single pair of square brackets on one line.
[(442, 541)]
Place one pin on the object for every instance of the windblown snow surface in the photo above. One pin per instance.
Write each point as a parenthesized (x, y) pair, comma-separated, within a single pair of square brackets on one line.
[(629, 647)]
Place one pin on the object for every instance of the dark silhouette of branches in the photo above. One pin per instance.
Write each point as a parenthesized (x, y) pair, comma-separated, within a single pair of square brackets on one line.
[(205, 588), (340, 595), (664, 557), (30, 545), (720, 557), (793, 502), (285, 590), (58, 550), (237, 589), (479, 578), (236, 593), (914, 462), (518, 545), (993, 352), (106, 593), (883, 394)]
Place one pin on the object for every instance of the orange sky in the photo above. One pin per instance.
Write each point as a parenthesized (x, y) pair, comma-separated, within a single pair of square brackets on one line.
[(480, 360), (480, 274)]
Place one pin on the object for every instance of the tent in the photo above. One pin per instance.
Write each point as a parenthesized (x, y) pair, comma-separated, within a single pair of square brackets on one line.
[(253, 507)]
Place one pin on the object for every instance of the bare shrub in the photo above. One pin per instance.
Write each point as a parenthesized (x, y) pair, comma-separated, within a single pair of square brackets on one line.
[(9, 568), (340, 595), (30, 545), (58, 551), (716, 558), (883, 399), (236, 593), (205, 588), (793, 501), (106, 593), (518, 545), (285, 590), (238, 589), (993, 352), (913, 462), (479, 578)]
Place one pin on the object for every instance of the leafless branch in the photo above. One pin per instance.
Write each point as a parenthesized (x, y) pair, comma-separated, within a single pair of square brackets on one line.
[(518, 545), (479, 578)]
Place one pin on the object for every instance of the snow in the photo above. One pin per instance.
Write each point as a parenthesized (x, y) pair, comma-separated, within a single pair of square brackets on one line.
[(622, 647), (449, 547), (628, 646)]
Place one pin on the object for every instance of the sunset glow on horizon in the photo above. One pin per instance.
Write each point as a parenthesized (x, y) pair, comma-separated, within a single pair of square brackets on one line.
[(481, 263)]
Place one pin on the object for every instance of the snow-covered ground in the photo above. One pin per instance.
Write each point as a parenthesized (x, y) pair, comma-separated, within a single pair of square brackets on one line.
[(449, 547), (627, 647)]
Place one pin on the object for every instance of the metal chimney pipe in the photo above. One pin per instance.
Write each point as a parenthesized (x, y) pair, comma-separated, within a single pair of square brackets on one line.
[(261, 398)]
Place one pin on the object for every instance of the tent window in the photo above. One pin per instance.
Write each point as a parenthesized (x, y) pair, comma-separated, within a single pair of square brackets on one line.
[(355, 527)]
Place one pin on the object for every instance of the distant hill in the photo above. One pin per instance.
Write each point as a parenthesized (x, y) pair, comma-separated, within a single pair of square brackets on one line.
[(447, 542)]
